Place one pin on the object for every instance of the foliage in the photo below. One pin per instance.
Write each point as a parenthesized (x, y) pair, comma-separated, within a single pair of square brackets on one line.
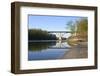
[(71, 26), (38, 34), (79, 26), (81, 31), (82, 25)]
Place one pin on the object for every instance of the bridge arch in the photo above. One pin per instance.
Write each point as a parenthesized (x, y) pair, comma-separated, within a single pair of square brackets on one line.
[(59, 34)]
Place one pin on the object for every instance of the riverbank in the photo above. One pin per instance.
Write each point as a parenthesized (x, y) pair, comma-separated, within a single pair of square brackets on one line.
[(76, 52), (46, 40)]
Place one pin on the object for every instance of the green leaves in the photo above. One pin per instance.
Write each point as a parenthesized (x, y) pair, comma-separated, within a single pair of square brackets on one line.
[(82, 25), (79, 26), (79, 30), (71, 26), (38, 34)]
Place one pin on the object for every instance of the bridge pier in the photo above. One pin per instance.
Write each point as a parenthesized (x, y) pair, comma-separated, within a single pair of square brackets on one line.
[(59, 34)]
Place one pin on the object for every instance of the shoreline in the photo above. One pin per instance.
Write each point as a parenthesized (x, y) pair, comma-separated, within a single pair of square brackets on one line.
[(45, 40)]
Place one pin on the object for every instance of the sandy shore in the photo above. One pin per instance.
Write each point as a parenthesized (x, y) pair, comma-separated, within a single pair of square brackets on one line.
[(77, 52)]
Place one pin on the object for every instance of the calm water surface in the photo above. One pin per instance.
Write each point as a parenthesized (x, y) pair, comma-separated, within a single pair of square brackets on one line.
[(46, 50)]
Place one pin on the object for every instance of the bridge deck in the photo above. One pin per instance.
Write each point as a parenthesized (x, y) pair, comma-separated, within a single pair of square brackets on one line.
[(59, 32)]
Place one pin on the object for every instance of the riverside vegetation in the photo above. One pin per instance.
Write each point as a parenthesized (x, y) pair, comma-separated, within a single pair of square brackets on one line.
[(79, 33)]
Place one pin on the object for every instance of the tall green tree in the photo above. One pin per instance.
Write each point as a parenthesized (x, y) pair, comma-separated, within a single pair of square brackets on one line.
[(71, 26)]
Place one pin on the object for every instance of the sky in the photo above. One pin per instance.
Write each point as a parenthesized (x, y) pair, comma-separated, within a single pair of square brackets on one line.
[(50, 23)]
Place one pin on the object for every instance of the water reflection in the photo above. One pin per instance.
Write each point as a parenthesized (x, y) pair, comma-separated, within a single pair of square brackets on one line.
[(38, 46), (54, 50), (46, 54)]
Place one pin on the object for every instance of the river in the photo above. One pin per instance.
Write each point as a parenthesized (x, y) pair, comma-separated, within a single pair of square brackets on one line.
[(49, 50)]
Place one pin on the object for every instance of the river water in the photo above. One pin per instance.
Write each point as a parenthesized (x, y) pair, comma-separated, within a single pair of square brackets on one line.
[(48, 50)]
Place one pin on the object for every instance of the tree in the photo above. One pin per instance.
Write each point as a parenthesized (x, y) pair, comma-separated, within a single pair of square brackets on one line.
[(71, 26), (82, 25), (38, 34), (80, 31)]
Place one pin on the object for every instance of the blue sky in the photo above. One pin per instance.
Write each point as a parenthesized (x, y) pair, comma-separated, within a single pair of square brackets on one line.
[(50, 23)]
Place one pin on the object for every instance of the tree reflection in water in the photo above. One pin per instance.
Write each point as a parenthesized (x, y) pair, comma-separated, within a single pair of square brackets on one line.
[(38, 46)]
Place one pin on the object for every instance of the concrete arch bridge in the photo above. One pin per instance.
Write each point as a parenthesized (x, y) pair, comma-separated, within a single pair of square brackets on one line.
[(60, 34)]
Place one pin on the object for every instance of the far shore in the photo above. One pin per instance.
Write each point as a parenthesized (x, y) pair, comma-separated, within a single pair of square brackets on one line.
[(45, 40)]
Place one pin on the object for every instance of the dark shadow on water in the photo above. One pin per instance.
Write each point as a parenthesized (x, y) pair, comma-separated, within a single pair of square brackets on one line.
[(38, 46)]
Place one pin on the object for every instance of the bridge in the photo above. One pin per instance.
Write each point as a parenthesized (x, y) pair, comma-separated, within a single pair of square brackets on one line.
[(59, 34)]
